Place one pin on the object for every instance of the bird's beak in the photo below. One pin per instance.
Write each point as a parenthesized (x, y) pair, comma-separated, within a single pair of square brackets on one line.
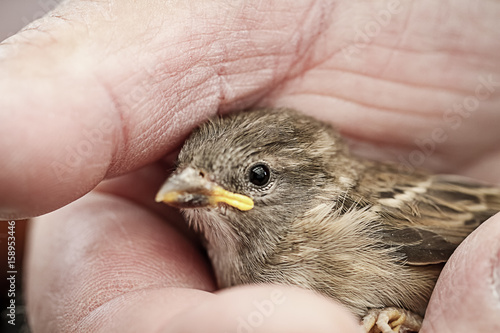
[(190, 189)]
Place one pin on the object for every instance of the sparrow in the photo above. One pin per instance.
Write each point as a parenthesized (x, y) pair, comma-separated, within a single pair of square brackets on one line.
[(278, 198)]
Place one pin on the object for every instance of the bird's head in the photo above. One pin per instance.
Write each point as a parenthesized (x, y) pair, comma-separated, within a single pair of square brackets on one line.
[(243, 178)]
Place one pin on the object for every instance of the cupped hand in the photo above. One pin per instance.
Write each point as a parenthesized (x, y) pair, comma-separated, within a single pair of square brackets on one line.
[(103, 90)]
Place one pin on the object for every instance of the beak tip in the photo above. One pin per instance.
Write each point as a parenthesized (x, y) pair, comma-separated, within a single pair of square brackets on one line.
[(160, 196)]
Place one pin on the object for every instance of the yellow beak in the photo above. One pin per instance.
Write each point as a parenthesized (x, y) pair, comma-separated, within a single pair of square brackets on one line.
[(189, 189)]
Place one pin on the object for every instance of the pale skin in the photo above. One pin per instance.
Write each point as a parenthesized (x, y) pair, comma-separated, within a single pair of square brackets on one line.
[(97, 94)]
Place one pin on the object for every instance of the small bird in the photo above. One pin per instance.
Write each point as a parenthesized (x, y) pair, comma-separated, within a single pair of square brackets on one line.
[(278, 198)]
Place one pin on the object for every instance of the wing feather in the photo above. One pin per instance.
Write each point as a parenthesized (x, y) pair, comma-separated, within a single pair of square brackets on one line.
[(427, 216)]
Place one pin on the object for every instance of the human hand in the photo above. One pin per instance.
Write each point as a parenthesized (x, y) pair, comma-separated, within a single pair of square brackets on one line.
[(136, 77)]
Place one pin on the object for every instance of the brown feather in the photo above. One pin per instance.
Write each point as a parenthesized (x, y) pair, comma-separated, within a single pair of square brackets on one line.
[(427, 216)]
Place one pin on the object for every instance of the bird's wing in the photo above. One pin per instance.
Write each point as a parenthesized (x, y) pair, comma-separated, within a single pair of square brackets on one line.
[(427, 217)]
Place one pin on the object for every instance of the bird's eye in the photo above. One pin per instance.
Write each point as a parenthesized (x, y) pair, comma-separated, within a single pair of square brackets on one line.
[(260, 174)]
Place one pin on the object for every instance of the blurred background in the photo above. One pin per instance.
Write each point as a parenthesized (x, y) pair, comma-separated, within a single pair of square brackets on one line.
[(15, 14)]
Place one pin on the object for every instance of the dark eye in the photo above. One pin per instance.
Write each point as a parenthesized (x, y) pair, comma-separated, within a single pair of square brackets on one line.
[(260, 174)]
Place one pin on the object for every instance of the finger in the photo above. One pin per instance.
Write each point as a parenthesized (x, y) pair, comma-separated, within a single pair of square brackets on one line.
[(466, 297), (99, 88), (95, 251), (265, 309)]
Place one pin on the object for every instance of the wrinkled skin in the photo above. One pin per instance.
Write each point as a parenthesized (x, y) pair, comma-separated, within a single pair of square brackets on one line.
[(95, 94)]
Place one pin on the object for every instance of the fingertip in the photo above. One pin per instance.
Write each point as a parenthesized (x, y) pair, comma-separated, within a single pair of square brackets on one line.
[(266, 309), (57, 147), (466, 297)]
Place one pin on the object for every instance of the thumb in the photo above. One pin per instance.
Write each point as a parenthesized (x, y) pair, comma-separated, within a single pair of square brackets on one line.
[(466, 297)]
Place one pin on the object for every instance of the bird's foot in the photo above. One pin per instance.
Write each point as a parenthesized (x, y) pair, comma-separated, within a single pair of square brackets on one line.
[(391, 320)]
